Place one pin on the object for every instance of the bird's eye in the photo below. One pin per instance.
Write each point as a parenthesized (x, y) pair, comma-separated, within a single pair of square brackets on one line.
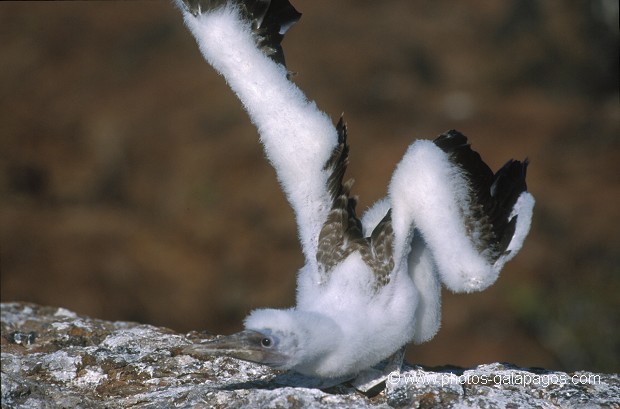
[(266, 342)]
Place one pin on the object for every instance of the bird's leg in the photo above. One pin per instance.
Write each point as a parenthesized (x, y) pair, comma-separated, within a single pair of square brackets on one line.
[(373, 377), (395, 362)]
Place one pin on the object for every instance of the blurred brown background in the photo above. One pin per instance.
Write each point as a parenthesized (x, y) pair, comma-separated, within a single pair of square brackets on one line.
[(133, 186)]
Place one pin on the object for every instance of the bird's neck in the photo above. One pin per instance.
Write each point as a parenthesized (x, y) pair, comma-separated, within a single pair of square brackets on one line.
[(319, 337)]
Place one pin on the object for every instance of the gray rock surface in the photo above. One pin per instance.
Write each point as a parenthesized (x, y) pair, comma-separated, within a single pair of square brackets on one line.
[(54, 358)]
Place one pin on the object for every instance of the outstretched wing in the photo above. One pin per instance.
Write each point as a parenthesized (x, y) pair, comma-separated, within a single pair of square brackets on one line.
[(241, 40), (472, 220), (487, 216)]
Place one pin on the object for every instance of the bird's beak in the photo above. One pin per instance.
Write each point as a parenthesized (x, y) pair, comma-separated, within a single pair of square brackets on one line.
[(245, 345)]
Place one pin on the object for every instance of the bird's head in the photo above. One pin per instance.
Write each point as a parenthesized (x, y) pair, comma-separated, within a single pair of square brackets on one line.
[(249, 345), (281, 339)]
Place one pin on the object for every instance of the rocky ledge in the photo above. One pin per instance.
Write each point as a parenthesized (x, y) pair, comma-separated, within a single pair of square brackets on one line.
[(54, 358)]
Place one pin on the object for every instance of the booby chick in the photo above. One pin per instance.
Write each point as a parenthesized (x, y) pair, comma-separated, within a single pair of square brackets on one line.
[(371, 286)]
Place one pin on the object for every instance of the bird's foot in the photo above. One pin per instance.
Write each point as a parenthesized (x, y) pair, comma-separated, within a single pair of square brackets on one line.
[(373, 379)]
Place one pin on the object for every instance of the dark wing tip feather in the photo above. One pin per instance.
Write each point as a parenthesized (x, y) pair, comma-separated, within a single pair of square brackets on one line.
[(456, 145), (508, 184), (492, 197), (274, 22), (270, 20)]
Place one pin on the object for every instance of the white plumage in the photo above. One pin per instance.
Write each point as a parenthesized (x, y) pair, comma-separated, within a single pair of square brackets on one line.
[(367, 289), (298, 138)]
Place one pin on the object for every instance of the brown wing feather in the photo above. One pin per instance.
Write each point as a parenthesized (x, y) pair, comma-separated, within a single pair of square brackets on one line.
[(380, 245), (342, 232)]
